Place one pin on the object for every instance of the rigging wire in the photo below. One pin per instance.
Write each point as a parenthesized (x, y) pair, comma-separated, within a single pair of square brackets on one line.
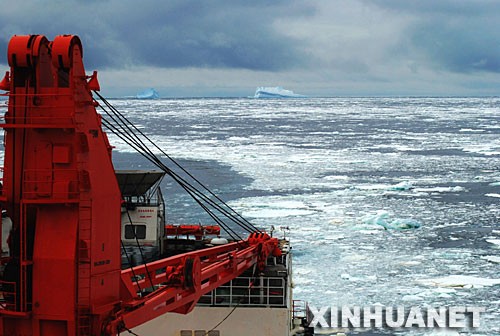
[(193, 192), (127, 122), (187, 187), (149, 155)]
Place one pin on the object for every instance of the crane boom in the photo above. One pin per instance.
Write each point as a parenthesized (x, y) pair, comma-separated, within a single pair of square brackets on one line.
[(181, 280), (63, 275)]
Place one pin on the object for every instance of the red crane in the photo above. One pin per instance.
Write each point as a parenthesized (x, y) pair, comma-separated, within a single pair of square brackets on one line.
[(63, 275)]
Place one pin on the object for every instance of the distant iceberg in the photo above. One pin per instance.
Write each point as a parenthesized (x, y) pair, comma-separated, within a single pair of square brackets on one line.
[(275, 92), (148, 94)]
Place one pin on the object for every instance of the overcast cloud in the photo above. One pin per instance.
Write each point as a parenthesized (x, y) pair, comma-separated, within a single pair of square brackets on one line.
[(196, 48)]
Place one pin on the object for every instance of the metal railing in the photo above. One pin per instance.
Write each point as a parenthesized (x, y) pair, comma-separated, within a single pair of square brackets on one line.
[(246, 291), (299, 310)]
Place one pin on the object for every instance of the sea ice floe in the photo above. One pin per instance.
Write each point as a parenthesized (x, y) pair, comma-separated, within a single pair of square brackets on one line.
[(353, 257), (337, 177), (401, 186), (492, 195), (272, 208), (471, 130), (454, 189), (345, 276), (484, 149), (445, 290), (275, 213), (412, 298), (493, 259), (335, 237), (371, 187), (460, 281), (410, 263), (494, 241), (445, 296), (383, 219)]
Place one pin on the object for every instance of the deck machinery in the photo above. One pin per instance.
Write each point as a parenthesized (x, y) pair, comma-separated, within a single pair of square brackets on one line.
[(63, 274)]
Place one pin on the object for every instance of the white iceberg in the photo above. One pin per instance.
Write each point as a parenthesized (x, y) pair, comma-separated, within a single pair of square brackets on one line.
[(275, 92), (148, 94)]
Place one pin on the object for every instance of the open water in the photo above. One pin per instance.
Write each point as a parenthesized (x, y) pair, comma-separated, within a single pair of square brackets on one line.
[(391, 201)]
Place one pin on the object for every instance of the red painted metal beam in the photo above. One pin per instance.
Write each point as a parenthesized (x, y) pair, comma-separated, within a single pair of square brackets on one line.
[(173, 292)]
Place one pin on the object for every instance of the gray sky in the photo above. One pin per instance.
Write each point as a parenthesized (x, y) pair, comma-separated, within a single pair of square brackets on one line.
[(313, 47)]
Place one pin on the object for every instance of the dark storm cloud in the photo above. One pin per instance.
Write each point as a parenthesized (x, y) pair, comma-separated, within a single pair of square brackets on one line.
[(459, 49), (319, 46), (220, 34), (199, 35), (459, 36)]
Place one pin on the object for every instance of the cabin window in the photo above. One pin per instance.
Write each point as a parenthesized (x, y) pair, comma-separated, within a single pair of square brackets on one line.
[(140, 231)]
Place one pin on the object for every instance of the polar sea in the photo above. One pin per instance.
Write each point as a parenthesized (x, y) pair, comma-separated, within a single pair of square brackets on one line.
[(342, 178), (386, 201)]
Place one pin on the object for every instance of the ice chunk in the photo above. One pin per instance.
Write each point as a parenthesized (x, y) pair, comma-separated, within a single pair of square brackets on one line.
[(401, 186), (275, 92), (412, 298), (383, 218), (464, 281), (410, 263), (455, 189), (278, 209), (404, 224), (493, 241), (148, 94), (493, 259), (493, 195), (345, 276)]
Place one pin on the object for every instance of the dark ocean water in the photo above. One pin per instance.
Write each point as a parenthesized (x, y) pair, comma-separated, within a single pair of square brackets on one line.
[(337, 172)]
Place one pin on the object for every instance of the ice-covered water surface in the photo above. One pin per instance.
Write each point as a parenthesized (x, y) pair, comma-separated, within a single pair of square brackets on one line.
[(390, 201)]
